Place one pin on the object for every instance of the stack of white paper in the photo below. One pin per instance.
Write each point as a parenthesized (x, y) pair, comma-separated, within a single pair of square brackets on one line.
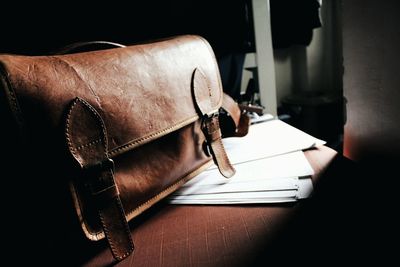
[(270, 168)]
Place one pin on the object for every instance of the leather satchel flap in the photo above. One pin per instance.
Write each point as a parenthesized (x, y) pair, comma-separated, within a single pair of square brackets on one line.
[(141, 92)]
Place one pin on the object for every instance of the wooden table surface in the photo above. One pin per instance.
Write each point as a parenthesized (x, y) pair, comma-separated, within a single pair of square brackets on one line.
[(347, 220), (206, 235)]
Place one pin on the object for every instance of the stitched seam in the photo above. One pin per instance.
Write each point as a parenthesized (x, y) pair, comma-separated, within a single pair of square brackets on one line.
[(208, 87), (107, 234), (164, 191), (125, 223), (141, 140), (94, 142), (103, 128), (110, 239), (100, 235), (156, 196), (122, 216), (199, 73), (217, 75), (67, 133), (224, 155)]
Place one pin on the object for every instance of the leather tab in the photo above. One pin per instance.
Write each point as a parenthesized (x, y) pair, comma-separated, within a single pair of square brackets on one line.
[(217, 150), (243, 126), (87, 142), (203, 100)]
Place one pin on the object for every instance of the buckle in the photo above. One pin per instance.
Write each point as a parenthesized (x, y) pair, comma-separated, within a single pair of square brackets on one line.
[(101, 188), (207, 118), (101, 166), (212, 115)]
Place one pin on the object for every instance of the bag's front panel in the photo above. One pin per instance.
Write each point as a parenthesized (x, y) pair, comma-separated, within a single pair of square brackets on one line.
[(145, 172), (148, 173)]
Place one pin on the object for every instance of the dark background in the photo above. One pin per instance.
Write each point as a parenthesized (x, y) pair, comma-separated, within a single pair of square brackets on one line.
[(36, 29)]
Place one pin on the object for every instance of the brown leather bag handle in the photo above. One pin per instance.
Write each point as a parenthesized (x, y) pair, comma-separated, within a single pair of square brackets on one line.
[(87, 46)]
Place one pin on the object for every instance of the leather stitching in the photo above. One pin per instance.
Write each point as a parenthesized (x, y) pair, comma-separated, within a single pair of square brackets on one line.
[(94, 142), (68, 134), (142, 140), (217, 147), (123, 220), (100, 120), (215, 68), (224, 155), (198, 73), (99, 235), (165, 191), (148, 138), (121, 215), (109, 235)]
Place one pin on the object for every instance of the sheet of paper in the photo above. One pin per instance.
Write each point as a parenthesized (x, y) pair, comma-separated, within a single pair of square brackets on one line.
[(302, 188), (268, 139), (241, 195), (231, 201), (263, 118), (305, 188), (293, 164), (268, 180), (241, 186)]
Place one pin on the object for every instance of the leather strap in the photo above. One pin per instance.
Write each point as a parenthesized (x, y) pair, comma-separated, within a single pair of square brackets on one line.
[(217, 150), (211, 127), (87, 142), (236, 121), (86, 46), (232, 108)]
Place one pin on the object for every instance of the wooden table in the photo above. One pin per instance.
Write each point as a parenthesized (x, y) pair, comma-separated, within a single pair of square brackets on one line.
[(348, 220), (242, 235)]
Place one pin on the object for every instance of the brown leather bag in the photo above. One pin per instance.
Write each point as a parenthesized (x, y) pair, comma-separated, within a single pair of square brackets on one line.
[(123, 127)]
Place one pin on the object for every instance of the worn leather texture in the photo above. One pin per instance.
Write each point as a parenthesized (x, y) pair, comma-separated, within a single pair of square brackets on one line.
[(147, 108)]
